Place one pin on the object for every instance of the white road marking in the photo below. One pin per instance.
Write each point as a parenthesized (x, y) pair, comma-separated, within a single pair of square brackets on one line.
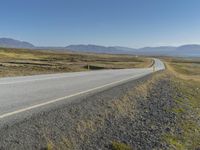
[(69, 96), (32, 80), (41, 79)]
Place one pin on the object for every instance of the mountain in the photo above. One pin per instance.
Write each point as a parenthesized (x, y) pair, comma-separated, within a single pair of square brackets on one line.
[(162, 50), (96, 49), (184, 50), (188, 50), (102, 49), (11, 43)]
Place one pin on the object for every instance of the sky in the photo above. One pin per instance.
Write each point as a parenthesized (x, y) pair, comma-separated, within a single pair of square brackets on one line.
[(131, 23)]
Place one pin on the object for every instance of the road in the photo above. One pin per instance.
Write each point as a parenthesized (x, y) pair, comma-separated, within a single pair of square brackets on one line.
[(24, 95)]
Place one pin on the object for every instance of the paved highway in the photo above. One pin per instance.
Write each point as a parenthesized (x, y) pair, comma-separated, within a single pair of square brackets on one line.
[(21, 95)]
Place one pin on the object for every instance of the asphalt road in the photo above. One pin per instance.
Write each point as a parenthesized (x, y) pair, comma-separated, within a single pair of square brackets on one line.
[(27, 95)]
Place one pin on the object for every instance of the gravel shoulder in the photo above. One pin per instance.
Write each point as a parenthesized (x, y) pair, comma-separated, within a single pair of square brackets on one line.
[(135, 114)]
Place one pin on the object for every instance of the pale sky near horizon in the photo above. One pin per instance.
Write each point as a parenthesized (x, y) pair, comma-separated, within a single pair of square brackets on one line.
[(131, 23)]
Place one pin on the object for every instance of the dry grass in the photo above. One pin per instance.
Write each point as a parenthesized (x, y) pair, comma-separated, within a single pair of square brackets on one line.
[(186, 78), (19, 62), (124, 107), (184, 69), (120, 146), (117, 108)]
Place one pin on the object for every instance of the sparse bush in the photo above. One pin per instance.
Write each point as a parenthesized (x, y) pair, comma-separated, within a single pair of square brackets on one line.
[(120, 146)]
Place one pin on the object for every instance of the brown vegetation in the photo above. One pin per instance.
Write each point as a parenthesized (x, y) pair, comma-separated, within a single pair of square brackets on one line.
[(187, 69), (19, 62), (186, 78)]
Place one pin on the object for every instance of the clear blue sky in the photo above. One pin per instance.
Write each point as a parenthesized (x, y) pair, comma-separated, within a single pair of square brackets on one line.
[(133, 23)]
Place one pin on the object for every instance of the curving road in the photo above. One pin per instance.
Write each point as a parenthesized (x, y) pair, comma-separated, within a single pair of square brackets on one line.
[(26, 95)]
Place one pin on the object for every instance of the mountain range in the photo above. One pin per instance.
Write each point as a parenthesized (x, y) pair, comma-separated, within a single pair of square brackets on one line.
[(11, 43), (191, 50)]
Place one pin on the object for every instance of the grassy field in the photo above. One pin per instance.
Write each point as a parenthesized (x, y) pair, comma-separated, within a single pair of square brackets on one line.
[(184, 68), (18, 62), (186, 77)]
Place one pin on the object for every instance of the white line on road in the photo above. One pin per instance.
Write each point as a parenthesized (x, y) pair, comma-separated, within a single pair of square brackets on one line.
[(41, 79), (69, 96), (33, 80)]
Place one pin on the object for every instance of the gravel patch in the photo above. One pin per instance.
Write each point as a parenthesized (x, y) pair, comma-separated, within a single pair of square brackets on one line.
[(123, 113)]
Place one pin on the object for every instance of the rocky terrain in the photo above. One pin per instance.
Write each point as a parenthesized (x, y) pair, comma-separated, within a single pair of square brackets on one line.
[(134, 114)]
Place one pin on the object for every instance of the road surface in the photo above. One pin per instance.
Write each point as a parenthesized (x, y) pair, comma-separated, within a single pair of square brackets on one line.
[(22, 95)]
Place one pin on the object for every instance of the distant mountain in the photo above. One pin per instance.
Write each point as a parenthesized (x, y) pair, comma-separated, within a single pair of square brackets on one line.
[(11, 43), (184, 50), (162, 50), (122, 50), (188, 50), (96, 49)]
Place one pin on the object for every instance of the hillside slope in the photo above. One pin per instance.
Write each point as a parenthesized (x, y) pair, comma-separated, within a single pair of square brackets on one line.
[(11, 43)]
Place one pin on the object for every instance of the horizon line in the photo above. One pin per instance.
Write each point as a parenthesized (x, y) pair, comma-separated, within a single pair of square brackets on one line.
[(93, 44)]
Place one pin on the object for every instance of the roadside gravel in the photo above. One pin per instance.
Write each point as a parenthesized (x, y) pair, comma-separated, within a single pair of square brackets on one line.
[(135, 113)]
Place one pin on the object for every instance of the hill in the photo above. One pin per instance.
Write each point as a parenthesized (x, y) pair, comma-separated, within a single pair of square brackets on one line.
[(11, 43), (183, 51)]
